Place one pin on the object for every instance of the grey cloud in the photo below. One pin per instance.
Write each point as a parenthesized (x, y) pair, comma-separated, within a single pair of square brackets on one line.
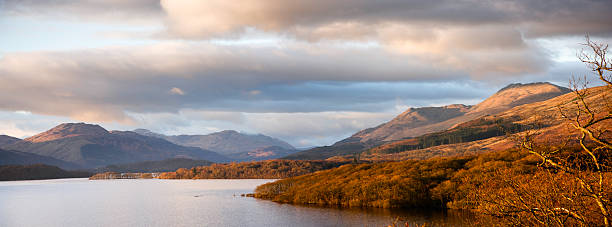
[(119, 11), (335, 19), (483, 38), (197, 19), (105, 84), (478, 38), (102, 84)]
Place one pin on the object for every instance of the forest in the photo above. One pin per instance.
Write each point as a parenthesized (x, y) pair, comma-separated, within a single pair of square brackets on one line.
[(271, 169), (471, 183), (474, 130), (406, 184)]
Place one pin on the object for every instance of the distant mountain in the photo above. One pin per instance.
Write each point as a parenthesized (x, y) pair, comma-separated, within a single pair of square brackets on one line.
[(6, 140), (91, 146), (68, 130), (238, 146), (262, 153), (167, 165), (23, 158), (419, 121)]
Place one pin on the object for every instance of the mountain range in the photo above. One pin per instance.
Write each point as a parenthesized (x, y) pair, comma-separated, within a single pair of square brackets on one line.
[(89, 146), (415, 122), (416, 133), (497, 132), (235, 145)]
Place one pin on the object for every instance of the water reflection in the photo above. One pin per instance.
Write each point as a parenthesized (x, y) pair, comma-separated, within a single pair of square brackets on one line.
[(80, 202)]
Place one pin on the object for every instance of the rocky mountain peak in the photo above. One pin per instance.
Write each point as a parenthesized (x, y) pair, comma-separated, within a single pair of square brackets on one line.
[(68, 130)]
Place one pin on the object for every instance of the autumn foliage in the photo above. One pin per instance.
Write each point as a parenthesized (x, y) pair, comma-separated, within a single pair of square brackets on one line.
[(272, 169), (433, 183)]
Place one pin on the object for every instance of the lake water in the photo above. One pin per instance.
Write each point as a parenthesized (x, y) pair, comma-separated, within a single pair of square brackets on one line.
[(153, 202)]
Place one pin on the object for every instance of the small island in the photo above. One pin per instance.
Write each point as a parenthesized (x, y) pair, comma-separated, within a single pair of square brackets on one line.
[(115, 175)]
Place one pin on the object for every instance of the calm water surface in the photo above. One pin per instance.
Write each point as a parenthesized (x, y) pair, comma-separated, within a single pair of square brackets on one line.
[(81, 202)]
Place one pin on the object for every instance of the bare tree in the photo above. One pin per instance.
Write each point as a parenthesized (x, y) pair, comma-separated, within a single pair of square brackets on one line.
[(589, 164)]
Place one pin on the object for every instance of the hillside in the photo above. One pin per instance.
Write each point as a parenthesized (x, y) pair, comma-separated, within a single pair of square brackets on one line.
[(409, 122), (6, 140), (238, 146), (320, 153), (91, 146), (37, 172), (405, 184), (489, 133), (23, 158), (420, 121)]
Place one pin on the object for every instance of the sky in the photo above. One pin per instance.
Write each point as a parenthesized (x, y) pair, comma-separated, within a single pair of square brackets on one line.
[(308, 72)]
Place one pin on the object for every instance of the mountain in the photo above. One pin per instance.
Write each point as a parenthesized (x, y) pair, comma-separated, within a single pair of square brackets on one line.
[(6, 140), (238, 146), (412, 121), (489, 133), (167, 165), (263, 153), (419, 121), (23, 158), (91, 146), (68, 130)]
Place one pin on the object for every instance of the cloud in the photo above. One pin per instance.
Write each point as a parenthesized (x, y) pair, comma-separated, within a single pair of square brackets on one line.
[(321, 128), (482, 39), (22, 124), (357, 19), (220, 116), (176, 91), (490, 38), (336, 19), (116, 11), (103, 84)]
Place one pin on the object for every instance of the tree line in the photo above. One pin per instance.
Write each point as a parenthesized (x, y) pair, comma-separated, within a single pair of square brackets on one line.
[(271, 169)]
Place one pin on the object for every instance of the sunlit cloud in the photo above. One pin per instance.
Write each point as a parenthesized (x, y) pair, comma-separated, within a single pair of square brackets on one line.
[(176, 91)]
